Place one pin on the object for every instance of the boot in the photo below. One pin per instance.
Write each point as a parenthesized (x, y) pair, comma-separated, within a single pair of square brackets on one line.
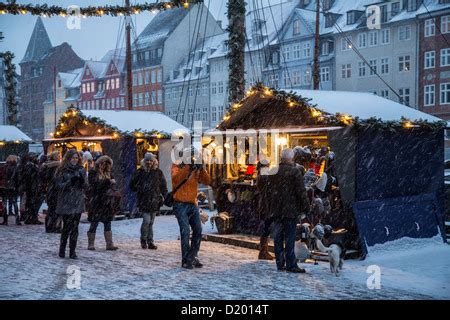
[(18, 223), (109, 242), (91, 240), (72, 247), (62, 248), (264, 253), (5, 219), (144, 244)]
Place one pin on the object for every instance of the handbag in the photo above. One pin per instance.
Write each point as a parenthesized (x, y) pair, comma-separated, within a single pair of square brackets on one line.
[(169, 200)]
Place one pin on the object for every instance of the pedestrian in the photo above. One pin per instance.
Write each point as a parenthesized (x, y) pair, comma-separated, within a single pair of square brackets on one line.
[(185, 180), (31, 187), (287, 201), (70, 181), (263, 209), (11, 189), (47, 177), (151, 187), (102, 193)]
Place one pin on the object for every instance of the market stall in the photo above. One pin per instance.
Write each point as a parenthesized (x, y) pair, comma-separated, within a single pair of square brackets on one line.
[(125, 136), (376, 166)]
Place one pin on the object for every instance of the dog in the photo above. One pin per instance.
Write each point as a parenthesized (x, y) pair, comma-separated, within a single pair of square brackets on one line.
[(335, 251)]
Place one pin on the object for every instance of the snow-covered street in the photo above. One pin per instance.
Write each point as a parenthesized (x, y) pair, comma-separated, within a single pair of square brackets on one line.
[(31, 269)]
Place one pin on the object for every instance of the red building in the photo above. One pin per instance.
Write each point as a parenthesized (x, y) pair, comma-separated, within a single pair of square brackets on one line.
[(434, 62), (38, 68)]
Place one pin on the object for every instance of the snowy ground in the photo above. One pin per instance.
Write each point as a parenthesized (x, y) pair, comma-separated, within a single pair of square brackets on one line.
[(31, 269)]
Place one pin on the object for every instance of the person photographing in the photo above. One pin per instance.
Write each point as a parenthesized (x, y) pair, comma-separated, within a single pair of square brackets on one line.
[(185, 181)]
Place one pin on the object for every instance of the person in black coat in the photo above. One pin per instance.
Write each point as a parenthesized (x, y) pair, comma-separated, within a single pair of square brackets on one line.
[(151, 188), (47, 177), (11, 189), (263, 209), (71, 183), (31, 187), (287, 201), (101, 203)]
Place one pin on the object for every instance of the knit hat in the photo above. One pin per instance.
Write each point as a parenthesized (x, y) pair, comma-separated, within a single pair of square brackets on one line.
[(149, 156)]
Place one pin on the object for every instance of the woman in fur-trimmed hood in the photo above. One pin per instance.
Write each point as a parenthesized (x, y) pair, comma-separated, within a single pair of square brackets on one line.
[(102, 201)]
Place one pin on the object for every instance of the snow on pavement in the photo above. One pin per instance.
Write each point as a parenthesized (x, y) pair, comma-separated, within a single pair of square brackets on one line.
[(31, 269)]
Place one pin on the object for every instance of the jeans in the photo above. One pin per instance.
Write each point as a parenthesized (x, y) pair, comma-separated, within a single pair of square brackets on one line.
[(188, 215), (267, 223), (284, 243), (12, 202), (148, 218), (94, 225), (70, 229)]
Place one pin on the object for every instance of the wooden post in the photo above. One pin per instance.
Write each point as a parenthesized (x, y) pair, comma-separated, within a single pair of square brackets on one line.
[(316, 74), (128, 59)]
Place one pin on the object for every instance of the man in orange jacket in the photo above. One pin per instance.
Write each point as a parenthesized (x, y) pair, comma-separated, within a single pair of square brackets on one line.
[(186, 209)]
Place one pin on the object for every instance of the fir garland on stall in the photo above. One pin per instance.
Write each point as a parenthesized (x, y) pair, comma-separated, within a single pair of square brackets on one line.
[(10, 86), (323, 118), (11, 7), (72, 111), (236, 45)]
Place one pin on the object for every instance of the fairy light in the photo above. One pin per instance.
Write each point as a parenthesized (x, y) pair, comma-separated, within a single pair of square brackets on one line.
[(268, 92), (186, 5), (2, 12), (408, 124), (62, 14), (168, 6), (316, 113), (23, 11), (346, 119), (101, 12), (250, 92), (291, 104), (74, 113), (226, 117), (236, 106)]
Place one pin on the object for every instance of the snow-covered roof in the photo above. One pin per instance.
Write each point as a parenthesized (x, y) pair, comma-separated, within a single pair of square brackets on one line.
[(71, 78), (362, 105), (11, 133), (98, 68), (129, 121)]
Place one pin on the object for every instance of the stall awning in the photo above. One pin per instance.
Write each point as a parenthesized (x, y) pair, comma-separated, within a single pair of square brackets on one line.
[(13, 134), (280, 130), (96, 138)]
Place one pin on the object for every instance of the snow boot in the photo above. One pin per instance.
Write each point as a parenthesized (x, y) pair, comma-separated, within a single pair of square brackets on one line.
[(151, 245), (72, 247), (144, 244), (109, 242), (264, 253), (91, 240)]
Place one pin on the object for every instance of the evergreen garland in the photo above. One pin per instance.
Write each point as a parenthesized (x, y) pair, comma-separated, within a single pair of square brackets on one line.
[(11, 7), (10, 86)]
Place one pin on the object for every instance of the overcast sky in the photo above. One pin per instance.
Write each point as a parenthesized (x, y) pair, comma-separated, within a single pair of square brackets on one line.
[(96, 36)]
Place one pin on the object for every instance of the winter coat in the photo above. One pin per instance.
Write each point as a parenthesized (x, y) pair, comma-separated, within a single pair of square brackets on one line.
[(101, 200), (12, 183), (188, 192), (47, 179), (286, 192), (30, 179), (71, 185), (150, 186)]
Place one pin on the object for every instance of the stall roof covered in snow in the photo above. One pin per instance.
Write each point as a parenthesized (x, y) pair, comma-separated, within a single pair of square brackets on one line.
[(11, 133), (129, 121), (362, 105)]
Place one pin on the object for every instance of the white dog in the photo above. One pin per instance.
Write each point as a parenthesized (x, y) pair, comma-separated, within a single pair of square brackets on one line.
[(334, 251)]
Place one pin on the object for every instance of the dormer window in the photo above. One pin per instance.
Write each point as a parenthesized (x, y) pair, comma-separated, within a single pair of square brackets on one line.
[(327, 4), (395, 9), (411, 5), (88, 72), (329, 20), (297, 27), (351, 17)]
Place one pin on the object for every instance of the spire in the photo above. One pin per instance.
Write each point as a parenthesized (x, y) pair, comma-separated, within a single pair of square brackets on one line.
[(39, 43)]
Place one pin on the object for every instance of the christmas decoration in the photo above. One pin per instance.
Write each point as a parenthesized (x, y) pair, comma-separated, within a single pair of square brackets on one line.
[(45, 10)]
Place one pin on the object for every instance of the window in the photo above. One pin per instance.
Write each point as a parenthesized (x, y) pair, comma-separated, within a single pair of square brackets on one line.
[(220, 86), (325, 74), (445, 93), (159, 77), (160, 97), (297, 27), (445, 24), (147, 99), (395, 8), (154, 76), (373, 38), (385, 36), (385, 94), (373, 67), (346, 71), (351, 17), (307, 77), (412, 5), (429, 95), (117, 83), (384, 65), (404, 63), (404, 33), (430, 27), (404, 94), (296, 78), (147, 77), (346, 43), (362, 40), (134, 79), (362, 69), (327, 4), (445, 57), (307, 50), (141, 99), (273, 80), (430, 58), (213, 88), (325, 48), (287, 53), (275, 58), (384, 13), (296, 51)]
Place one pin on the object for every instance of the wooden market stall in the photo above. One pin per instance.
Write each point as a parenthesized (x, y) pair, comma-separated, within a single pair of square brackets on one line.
[(125, 136), (385, 176)]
